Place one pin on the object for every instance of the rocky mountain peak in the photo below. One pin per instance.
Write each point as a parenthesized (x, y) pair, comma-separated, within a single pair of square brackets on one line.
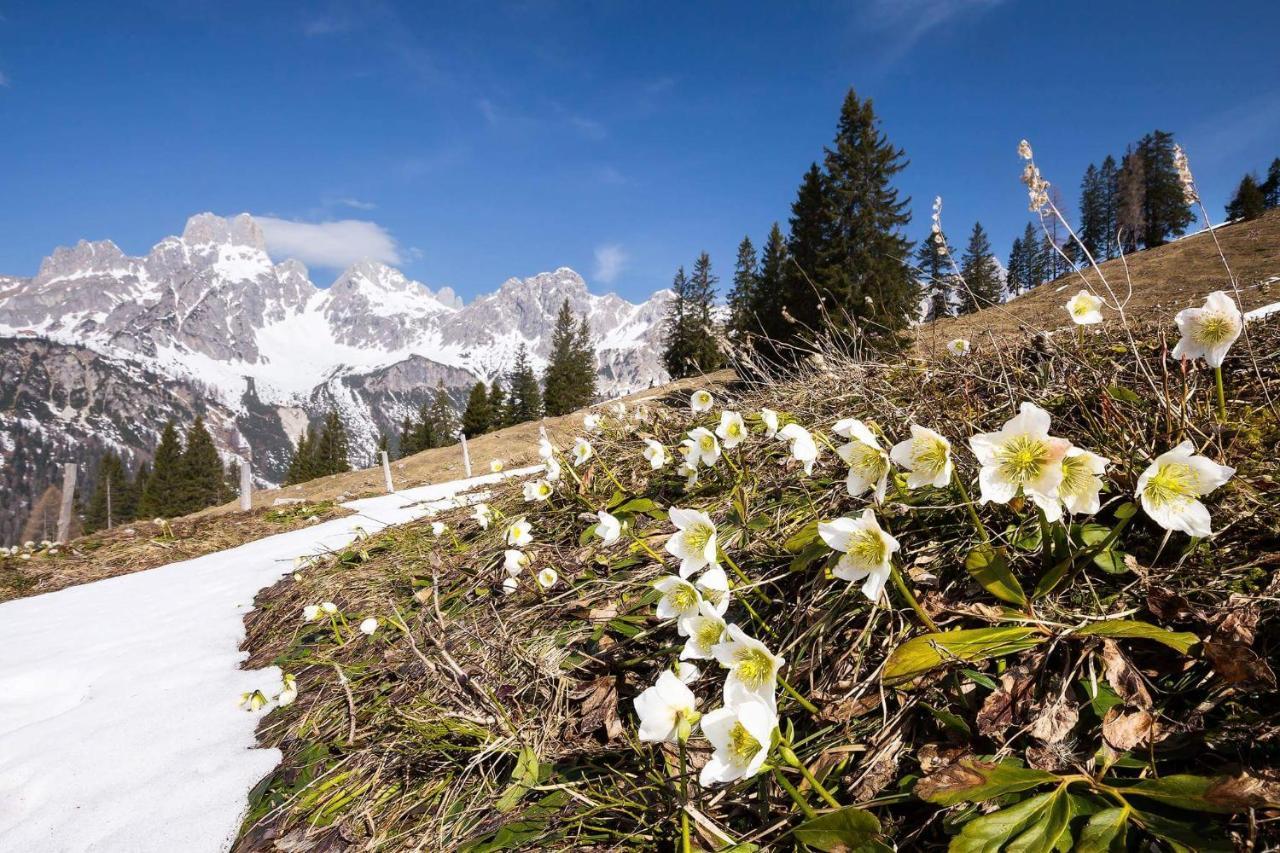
[(239, 230), (84, 258)]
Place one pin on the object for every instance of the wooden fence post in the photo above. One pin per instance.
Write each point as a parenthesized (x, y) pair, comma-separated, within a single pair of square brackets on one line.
[(246, 486), (68, 501), (466, 456), (386, 472)]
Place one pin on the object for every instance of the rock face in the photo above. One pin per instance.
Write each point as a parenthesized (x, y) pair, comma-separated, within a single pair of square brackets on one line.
[(209, 323)]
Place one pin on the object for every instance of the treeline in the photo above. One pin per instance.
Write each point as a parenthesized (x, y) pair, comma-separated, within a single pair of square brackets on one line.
[(184, 477), (1253, 197), (320, 452)]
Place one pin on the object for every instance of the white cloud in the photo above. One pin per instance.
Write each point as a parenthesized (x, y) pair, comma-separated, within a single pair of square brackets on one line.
[(357, 203), (335, 244), (611, 260), (902, 23)]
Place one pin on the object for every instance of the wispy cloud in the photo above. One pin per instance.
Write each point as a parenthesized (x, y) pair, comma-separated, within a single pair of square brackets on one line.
[(900, 24), (488, 110), (356, 203), (4, 80), (588, 127), (611, 260), (334, 244)]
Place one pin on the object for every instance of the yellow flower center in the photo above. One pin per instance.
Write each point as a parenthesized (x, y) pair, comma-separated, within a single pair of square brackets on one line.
[(1173, 484), (544, 490), (697, 536), (929, 455), (683, 597), (708, 633), (754, 667), (742, 745), (1212, 329), (1022, 458), (867, 459), (867, 549), (1076, 476), (706, 442)]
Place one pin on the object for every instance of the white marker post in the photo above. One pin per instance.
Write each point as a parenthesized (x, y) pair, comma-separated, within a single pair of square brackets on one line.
[(386, 472), (466, 455), (246, 486), (68, 501)]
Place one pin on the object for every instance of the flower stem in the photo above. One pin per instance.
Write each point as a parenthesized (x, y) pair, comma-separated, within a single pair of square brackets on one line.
[(743, 577), (911, 598), (1046, 541), (804, 703), (795, 795), (968, 504), (1222, 395), (791, 758)]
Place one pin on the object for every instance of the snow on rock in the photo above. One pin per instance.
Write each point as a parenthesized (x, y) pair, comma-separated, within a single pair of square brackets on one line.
[(119, 720)]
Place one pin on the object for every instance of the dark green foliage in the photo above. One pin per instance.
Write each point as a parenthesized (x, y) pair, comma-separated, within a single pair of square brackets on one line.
[(442, 423), (569, 381), (978, 267), (1249, 202), (108, 505), (1271, 186), (1109, 184), (497, 405), (1165, 208), (320, 453), (525, 400), (202, 472), (935, 271), (808, 247), (691, 346), (743, 297), (1015, 270), (300, 464), (1093, 211), (404, 446), (160, 495), (478, 416)]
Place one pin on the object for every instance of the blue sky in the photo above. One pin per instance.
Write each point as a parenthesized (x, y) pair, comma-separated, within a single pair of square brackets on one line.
[(476, 140)]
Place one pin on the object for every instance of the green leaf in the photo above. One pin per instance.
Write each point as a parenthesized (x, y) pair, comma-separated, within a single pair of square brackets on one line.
[(1128, 509), (979, 678), (1124, 395), (802, 538), (990, 569), (1179, 641), (1104, 699), (848, 829), (1047, 832), (970, 780), (636, 505), (811, 553), (1194, 793), (1111, 562), (523, 777), (1093, 534), (1104, 833), (949, 720), (1183, 836), (991, 832), (1049, 580), (926, 652)]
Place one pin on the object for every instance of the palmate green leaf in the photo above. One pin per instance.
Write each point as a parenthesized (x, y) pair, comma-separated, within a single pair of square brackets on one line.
[(1036, 825), (927, 652), (1184, 836), (848, 829), (1111, 562), (990, 569), (1124, 395), (1220, 794), (1179, 641), (636, 505), (970, 780), (1104, 833), (802, 538)]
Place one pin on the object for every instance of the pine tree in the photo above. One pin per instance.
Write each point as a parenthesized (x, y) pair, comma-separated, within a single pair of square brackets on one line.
[(383, 446), (1016, 272), (478, 417), (111, 486), (424, 435), (1093, 215), (131, 505), (300, 462), (978, 268), (1033, 259), (525, 400), (498, 406), (160, 495), (584, 366), (677, 348), (935, 269), (1165, 208), (691, 347), (1109, 185), (865, 271), (768, 323), (440, 414), (1271, 186), (808, 246), (330, 454), (1048, 260), (202, 472), (561, 393), (1131, 205), (1249, 202), (742, 298)]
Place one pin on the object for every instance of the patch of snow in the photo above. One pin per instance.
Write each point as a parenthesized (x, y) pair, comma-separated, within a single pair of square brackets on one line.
[(1264, 311), (119, 722)]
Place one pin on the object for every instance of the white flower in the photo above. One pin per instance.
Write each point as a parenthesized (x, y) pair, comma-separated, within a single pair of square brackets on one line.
[(545, 450), (1022, 456), (1081, 481), (958, 347), (700, 401), (694, 542), (591, 422), (483, 515), (732, 430), (867, 461), (688, 450), (769, 418), (661, 707), (686, 672), (1024, 150), (752, 667), (1170, 486), (618, 409), (680, 599), (552, 467), (547, 578), (713, 586), (255, 701), (655, 453), (926, 456), (289, 693), (867, 551), (514, 561), (438, 528), (581, 451), (1210, 331), (706, 446), (369, 626), (1085, 308), (495, 465), (329, 607), (704, 630), (742, 735), (690, 473), (803, 448), (520, 533), (509, 585), (311, 613), (608, 528), (538, 490)]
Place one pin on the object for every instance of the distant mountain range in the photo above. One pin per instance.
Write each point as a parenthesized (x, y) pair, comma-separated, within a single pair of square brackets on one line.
[(99, 348)]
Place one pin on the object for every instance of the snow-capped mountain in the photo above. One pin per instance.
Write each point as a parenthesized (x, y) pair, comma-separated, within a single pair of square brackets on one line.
[(270, 349)]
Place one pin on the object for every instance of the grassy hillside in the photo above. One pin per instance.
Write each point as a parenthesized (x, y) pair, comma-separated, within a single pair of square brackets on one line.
[(1110, 688)]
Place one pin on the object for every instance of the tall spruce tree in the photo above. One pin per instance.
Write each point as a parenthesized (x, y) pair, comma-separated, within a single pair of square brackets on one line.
[(866, 270), (1165, 209), (404, 447), (1271, 186), (498, 405), (160, 493), (678, 345), (1249, 202), (331, 452), (1131, 204), (978, 268), (808, 247), (300, 462), (1093, 215), (584, 366), (564, 378), (478, 416), (768, 324), (1016, 270), (935, 270), (1033, 259), (691, 347), (444, 422), (111, 487), (1109, 184), (202, 472), (524, 401), (742, 296)]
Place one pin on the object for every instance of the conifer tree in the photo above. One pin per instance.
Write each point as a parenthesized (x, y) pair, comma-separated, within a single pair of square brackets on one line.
[(441, 418), (1033, 260), (524, 403), (300, 462), (1131, 222), (132, 505), (742, 297), (1048, 260), (383, 446), (330, 453), (1109, 184), (160, 495), (498, 406), (1271, 186), (562, 390), (111, 486), (979, 270), (691, 347), (935, 270), (424, 435), (1249, 202), (768, 323), (865, 270), (1165, 209), (1093, 217), (584, 366), (808, 247), (677, 347), (202, 472), (1015, 271), (477, 417)]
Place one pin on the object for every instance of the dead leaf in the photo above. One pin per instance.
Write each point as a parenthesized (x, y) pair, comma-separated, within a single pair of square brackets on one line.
[(599, 708), (960, 774), (934, 755), (1243, 792), (1124, 730), (1055, 721), (847, 709), (1003, 707), (1052, 758), (1240, 623), (1167, 605), (603, 614), (1123, 676), (1238, 664)]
